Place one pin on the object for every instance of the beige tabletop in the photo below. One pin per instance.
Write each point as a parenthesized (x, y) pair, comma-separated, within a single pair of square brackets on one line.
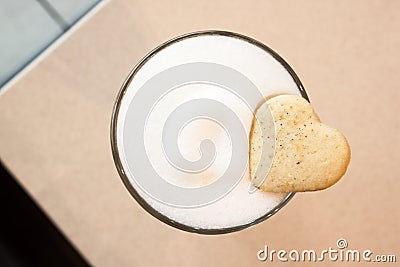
[(54, 133)]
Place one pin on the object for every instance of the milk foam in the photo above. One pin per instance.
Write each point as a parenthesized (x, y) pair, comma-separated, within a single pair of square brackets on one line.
[(238, 207)]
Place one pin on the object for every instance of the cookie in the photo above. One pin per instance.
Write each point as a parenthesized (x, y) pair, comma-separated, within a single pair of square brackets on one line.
[(291, 150)]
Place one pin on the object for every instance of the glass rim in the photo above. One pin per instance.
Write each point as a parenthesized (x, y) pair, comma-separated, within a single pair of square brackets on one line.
[(113, 134)]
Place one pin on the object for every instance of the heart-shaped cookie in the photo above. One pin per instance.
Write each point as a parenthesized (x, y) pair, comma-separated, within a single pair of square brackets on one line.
[(308, 155)]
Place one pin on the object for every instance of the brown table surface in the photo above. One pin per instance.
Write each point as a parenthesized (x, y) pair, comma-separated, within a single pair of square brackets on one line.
[(54, 133)]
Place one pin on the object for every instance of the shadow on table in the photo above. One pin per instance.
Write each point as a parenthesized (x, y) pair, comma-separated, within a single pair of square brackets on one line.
[(27, 235)]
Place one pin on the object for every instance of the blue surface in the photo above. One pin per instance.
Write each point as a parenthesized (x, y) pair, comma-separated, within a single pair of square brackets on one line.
[(71, 10), (27, 27)]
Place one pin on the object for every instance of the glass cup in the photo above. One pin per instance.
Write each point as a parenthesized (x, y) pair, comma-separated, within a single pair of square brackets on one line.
[(116, 149)]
